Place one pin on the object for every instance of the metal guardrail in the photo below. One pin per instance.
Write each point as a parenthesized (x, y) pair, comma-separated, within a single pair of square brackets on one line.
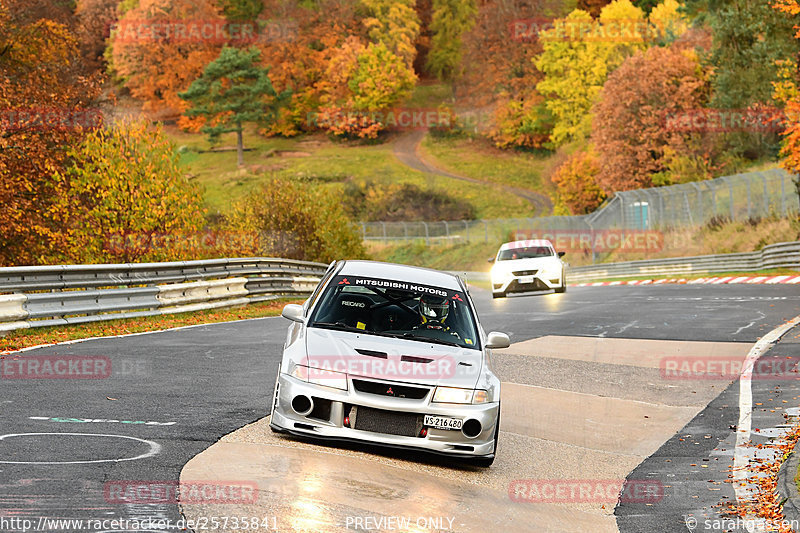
[(781, 255), (72, 294)]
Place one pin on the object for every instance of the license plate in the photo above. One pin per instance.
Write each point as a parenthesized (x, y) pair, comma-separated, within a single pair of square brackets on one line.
[(443, 422), (526, 279)]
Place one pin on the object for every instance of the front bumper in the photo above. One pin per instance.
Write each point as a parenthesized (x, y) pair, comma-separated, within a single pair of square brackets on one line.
[(328, 423), (525, 284)]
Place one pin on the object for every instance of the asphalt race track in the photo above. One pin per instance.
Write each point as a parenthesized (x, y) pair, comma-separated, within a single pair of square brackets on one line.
[(170, 395)]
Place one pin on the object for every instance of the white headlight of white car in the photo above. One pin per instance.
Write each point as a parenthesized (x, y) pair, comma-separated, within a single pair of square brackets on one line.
[(326, 378), (454, 395)]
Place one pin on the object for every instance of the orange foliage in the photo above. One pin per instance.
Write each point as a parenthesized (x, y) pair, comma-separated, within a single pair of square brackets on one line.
[(44, 95), (155, 68)]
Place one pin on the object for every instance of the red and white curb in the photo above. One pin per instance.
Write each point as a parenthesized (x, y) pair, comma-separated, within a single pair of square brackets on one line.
[(767, 280)]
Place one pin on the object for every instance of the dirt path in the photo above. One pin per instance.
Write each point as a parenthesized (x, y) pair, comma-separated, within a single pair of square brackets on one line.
[(406, 150)]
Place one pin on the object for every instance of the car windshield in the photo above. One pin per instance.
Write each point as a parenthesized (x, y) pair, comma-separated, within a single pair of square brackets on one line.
[(398, 309), (530, 252)]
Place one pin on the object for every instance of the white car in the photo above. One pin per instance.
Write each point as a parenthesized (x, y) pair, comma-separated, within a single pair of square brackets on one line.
[(532, 265), (392, 355)]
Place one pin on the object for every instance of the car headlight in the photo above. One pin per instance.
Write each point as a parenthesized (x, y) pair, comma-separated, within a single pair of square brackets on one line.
[(317, 376), (454, 395)]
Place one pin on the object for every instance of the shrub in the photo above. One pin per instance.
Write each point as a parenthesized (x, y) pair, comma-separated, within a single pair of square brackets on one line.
[(298, 221)]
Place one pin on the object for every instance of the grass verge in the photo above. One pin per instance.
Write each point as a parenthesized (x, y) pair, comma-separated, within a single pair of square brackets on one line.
[(477, 158), (19, 339)]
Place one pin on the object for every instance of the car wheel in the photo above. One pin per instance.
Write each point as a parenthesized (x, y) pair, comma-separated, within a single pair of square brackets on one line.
[(486, 462), (498, 295)]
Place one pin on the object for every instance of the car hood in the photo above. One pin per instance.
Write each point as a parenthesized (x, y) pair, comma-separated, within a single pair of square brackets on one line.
[(377, 357), (535, 263)]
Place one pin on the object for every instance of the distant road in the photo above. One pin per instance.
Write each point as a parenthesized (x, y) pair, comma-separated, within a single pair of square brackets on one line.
[(406, 150)]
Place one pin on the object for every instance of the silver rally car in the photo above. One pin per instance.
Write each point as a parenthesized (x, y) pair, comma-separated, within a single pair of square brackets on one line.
[(391, 355)]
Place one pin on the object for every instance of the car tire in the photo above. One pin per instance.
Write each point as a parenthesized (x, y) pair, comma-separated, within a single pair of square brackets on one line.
[(486, 462), (496, 295)]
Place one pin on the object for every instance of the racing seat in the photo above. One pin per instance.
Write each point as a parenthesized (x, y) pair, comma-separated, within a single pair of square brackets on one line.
[(352, 310)]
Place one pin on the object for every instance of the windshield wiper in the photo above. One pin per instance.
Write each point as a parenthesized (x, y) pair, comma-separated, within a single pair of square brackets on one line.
[(337, 325), (423, 338)]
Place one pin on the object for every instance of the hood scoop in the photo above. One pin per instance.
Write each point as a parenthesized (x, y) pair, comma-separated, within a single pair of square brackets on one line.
[(372, 353)]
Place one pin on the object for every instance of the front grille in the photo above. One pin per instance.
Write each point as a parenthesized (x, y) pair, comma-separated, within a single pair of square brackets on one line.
[(525, 272), (387, 422), (388, 389)]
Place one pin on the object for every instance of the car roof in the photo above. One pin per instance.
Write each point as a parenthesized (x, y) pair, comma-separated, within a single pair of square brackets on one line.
[(392, 271), (526, 244)]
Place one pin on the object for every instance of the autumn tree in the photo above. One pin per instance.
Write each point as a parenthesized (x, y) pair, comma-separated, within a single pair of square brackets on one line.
[(241, 10), (123, 181), (576, 182), (157, 50), (313, 34), (576, 64), (787, 91), (450, 20), (298, 221), (96, 18), (233, 91), (636, 120), (592, 7), (46, 105), (395, 24), (363, 81)]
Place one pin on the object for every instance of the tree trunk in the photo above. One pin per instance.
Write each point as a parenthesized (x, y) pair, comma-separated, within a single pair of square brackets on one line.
[(240, 145)]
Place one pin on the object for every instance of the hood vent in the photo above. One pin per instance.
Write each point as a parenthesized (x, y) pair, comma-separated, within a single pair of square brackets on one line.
[(412, 359), (372, 353)]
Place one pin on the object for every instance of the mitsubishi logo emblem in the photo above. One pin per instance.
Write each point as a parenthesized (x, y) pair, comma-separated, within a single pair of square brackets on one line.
[(390, 391)]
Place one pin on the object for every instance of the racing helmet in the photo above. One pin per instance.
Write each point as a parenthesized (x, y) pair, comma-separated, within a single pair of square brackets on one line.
[(433, 308)]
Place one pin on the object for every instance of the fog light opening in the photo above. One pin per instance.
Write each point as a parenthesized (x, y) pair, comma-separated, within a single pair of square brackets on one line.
[(302, 405), (471, 428)]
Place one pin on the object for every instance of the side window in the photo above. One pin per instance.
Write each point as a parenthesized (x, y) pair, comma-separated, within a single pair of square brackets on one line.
[(315, 295)]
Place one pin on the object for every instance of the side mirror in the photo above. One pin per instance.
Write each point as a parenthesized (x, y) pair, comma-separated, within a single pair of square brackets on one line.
[(562, 254), (491, 260), (496, 340), (293, 312)]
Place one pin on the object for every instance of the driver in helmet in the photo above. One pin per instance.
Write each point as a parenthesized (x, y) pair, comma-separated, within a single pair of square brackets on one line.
[(433, 312)]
